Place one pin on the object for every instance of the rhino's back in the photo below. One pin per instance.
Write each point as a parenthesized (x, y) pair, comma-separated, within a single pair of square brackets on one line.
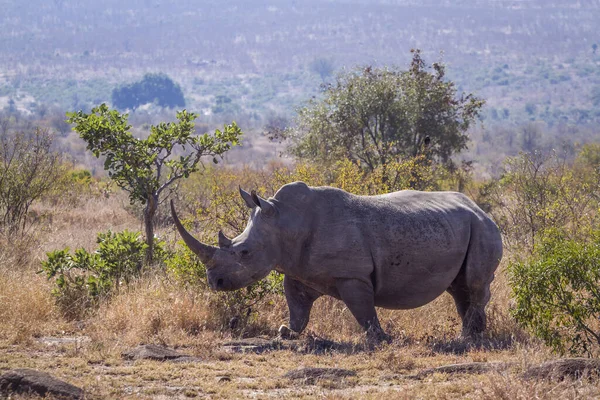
[(410, 244)]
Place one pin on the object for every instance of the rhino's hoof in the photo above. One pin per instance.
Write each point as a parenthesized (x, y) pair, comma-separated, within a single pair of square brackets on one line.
[(376, 338), (287, 333)]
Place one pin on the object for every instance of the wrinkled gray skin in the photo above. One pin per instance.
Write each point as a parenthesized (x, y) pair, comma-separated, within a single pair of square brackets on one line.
[(399, 251)]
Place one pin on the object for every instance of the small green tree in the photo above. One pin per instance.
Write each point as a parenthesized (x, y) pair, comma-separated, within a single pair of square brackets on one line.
[(374, 116), (145, 168)]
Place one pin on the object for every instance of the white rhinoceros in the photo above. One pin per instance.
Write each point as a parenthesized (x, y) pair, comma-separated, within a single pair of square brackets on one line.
[(399, 251)]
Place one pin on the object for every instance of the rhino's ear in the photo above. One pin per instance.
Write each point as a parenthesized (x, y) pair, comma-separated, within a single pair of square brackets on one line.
[(266, 208), (247, 198)]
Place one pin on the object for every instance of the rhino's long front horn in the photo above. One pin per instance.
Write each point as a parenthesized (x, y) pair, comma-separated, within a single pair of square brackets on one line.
[(203, 251)]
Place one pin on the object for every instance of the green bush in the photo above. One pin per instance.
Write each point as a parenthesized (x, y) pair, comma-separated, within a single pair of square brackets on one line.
[(186, 267), (83, 278), (557, 293)]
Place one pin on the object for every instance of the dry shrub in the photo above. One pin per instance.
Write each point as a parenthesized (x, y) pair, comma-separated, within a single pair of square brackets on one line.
[(331, 319), (20, 251), (150, 311), (26, 306), (155, 310)]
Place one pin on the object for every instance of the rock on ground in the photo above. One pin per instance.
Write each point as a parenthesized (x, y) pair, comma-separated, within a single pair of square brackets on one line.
[(566, 367), (157, 353), (28, 381), (466, 368)]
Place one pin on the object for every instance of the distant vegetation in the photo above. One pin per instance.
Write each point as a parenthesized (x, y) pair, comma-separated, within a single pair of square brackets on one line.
[(531, 60), (153, 88)]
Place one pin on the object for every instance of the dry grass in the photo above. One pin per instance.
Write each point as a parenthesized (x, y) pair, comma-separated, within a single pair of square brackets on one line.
[(78, 227), (157, 310), (26, 307)]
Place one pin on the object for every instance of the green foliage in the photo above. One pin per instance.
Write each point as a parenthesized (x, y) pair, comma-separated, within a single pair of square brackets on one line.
[(590, 156), (146, 167), (557, 293), (153, 88), (224, 105), (29, 170), (83, 278), (185, 267), (374, 116)]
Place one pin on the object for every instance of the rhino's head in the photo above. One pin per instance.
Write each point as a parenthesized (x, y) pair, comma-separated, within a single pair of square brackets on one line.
[(245, 259)]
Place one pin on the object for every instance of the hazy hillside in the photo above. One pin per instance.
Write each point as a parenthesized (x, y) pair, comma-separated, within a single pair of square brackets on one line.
[(530, 59)]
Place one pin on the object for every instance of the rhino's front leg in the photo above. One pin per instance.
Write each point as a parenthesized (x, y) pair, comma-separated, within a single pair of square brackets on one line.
[(359, 296), (300, 299)]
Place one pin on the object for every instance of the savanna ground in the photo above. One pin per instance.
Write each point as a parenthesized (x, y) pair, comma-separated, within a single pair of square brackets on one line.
[(156, 309)]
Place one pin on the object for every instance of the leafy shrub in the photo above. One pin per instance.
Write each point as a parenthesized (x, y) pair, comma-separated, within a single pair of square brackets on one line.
[(377, 115), (83, 278), (557, 293), (185, 267)]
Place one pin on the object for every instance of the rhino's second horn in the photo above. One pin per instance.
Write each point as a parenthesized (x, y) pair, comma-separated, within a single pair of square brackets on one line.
[(203, 251)]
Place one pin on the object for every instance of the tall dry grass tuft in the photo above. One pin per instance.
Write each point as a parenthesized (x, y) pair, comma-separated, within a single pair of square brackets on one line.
[(331, 319), (26, 305), (150, 311), (155, 310), (27, 308)]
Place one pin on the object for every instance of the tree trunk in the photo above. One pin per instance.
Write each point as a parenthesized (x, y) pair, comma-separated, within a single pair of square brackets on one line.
[(149, 213)]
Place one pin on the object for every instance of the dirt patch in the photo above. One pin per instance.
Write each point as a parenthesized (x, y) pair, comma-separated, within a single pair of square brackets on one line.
[(57, 341)]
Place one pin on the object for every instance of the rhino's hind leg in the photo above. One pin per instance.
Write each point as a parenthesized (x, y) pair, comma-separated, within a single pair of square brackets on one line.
[(300, 299), (359, 297), (470, 304), (471, 293), (471, 288)]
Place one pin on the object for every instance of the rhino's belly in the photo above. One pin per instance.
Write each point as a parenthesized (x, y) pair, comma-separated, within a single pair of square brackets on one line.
[(405, 289)]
